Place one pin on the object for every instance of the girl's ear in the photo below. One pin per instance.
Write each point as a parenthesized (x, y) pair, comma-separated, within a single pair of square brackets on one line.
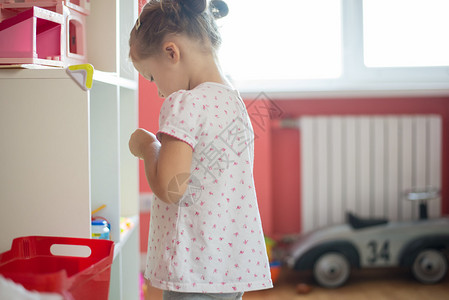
[(171, 51)]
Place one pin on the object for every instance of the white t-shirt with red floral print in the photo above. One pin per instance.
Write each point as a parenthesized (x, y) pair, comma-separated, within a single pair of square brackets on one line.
[(212, 240)]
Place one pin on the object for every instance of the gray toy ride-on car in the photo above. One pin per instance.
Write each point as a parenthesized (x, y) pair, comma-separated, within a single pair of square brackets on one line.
[(332, 252)]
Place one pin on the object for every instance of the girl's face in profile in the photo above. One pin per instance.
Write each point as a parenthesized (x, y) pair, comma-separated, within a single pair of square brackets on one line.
[(163, 70), (149, 69)]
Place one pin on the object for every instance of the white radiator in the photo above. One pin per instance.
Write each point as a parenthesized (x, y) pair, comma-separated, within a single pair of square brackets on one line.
[(365, 165)]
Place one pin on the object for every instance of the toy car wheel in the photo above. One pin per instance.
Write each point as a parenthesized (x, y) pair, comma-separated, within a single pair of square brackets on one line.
[(332, 269), (429, 266)]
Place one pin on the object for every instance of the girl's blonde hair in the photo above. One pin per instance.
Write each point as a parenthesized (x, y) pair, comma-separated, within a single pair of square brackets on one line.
[(158, 18)]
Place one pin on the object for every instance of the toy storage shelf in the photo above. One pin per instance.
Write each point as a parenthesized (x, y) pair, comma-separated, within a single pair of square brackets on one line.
[(108, 36), (65, 150), (65, 154)]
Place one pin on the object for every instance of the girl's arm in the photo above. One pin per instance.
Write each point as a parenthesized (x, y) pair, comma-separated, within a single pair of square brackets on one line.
[(166, 163)]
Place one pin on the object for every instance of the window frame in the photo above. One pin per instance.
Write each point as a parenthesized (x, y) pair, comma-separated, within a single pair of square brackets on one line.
[(356, 79)]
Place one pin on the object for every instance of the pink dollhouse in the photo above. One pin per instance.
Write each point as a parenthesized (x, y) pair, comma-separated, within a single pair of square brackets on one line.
[(44, 32)]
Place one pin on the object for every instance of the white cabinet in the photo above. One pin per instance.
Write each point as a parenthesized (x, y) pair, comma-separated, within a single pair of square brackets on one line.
[(45, 172), (64, 151)]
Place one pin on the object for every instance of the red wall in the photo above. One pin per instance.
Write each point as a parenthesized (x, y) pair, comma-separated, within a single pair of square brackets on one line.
[(285, 179), (149, 107), (277, 163)]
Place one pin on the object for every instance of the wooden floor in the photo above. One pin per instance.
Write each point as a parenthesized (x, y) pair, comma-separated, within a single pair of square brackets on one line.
[(363, 285)]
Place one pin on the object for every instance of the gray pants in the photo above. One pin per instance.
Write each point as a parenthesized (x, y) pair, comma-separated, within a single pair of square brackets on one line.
[(171, 295)]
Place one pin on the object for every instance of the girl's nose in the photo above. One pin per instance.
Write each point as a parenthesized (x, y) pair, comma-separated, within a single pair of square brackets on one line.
[(160, 94)]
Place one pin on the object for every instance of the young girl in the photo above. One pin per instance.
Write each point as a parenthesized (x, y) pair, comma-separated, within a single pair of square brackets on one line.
[(206, 238)]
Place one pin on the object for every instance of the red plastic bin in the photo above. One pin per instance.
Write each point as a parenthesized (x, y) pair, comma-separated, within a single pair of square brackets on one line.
[(31, 263)]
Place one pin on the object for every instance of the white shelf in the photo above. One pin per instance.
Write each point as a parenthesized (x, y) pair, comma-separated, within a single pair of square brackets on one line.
[(114, 107), (109, 25), (126, 235), (114, 79)]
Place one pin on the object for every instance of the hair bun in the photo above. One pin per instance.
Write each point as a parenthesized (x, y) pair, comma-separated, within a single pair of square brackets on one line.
[(218, 8), (195, 6)]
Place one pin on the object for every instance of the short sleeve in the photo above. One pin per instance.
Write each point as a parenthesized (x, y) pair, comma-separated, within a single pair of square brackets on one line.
[(180, 117)]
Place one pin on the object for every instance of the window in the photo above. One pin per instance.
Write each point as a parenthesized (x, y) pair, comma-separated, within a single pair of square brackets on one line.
[(406, 33), (284, 39), (336, 45)]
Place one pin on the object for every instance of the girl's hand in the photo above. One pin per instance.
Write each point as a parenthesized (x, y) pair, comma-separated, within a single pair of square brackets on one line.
[(163, 162), (140, 141)]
